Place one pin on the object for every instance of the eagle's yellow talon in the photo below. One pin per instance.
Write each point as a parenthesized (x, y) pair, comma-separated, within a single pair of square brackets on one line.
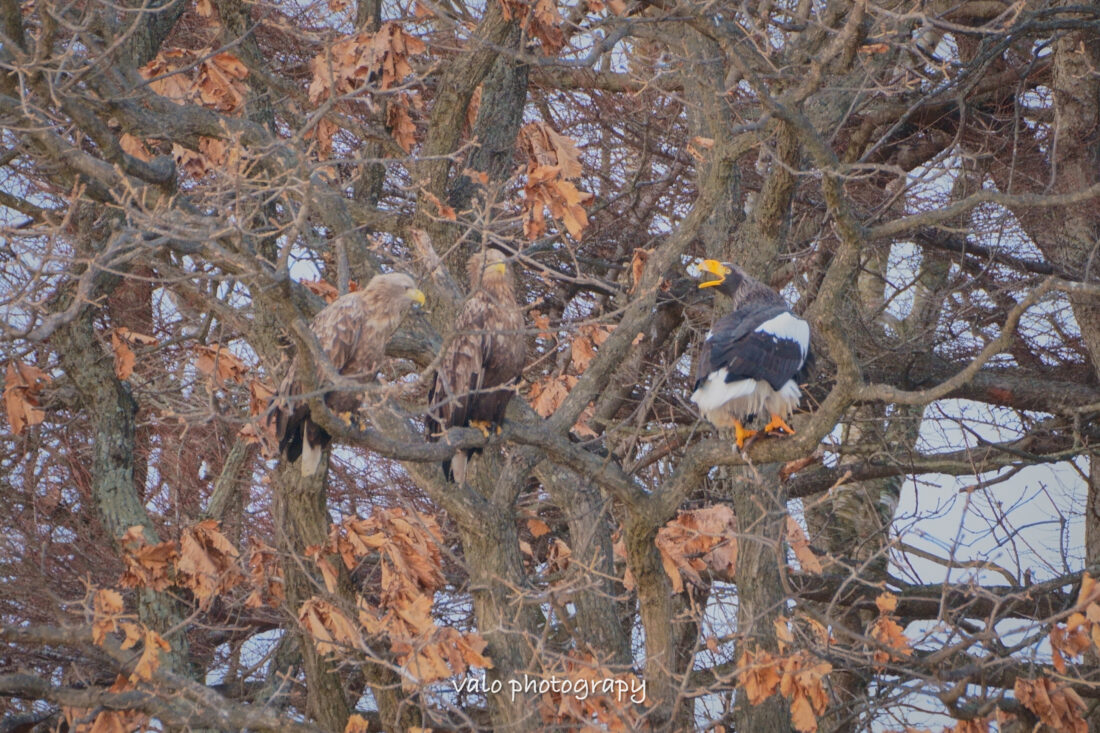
[(482, 425), (742, 434), (346, 417), (778, 423)]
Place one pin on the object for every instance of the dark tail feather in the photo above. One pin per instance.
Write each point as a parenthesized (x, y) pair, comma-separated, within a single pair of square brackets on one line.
[(291, 427)]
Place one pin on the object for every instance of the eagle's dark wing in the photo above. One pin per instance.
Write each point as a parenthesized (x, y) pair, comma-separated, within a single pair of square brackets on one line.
[(755, 342)]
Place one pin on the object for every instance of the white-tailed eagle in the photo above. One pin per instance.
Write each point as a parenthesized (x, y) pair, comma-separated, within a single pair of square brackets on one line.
[(353, 331), (484, 361), (753, 359)]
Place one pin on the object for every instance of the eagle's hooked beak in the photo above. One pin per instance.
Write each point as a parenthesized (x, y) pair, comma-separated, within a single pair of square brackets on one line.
[(417, 296), (716, 268), (498, 267)]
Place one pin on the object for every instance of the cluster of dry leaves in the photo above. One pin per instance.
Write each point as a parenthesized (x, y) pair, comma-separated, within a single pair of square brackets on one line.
[(890, 639), (407, 547), (553, 162), (547, 394), (364, 63), (540, 19), (590, 712), (201, 77), (203, 562), (99, 720), (1058, 705), (695, 541), (798, 677)]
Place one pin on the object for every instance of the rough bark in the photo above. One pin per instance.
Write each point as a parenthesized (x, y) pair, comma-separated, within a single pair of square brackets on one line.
[(119, 507)]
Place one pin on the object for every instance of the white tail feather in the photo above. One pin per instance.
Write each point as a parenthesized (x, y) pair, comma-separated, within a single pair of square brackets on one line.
[(311, 457), (458, 467)]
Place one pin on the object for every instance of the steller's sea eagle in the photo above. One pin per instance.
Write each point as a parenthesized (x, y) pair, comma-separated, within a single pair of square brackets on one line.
[(479, 369), (352, 331), (753, 359)]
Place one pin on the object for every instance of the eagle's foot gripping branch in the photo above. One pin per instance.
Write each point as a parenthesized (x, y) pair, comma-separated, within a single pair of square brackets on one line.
[(778, 424), (483, 425), (741, 434)]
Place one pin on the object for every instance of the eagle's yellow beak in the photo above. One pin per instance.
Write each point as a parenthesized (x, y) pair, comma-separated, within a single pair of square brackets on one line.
[(498, 267), (416, 295), (716, 268)]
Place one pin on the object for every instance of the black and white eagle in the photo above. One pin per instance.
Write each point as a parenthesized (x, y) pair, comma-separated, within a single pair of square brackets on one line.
[(753, 359)]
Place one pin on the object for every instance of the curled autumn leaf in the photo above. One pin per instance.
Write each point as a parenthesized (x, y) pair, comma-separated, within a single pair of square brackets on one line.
[(1070, 639), (547, 394), (147, 566), (539, 19), (357, 724), (758, 675), (220, 364), (610, 702), (208, 562), (107, 609), (886, 603), (265, 574), (583, 347), (800, 544), (149, 661), (331, 629), (803, 683), (399, 120), (326, 290), (637, 268), (441, 210), (211, 80), (122, 339), (889, 634), (23, 384)]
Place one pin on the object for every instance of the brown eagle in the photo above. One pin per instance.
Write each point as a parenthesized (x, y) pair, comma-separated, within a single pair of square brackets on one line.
[(480, 367), (753, 358), (352, 331)]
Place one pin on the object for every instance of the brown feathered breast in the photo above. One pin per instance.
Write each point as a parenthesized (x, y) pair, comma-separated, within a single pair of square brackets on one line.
[(479, 369)]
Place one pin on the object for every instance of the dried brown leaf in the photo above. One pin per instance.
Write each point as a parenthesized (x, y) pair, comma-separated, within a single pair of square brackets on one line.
[(220, 364), (22, 385), (801, 547)]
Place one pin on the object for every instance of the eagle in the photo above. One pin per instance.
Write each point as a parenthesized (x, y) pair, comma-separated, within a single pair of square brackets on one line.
[(481, 365), (352, 331), (753, 359)]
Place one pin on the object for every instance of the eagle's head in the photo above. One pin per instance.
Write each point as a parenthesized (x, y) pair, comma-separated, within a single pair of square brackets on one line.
[(395, 288), (488, 269), (725, 277)]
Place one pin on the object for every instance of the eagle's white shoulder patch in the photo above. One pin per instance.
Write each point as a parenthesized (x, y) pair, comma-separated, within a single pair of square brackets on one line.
[(788, 326)]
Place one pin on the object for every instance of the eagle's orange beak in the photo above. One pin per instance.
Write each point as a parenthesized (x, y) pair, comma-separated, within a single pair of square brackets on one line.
[(416, 295), (498, 267), (716, 268)]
